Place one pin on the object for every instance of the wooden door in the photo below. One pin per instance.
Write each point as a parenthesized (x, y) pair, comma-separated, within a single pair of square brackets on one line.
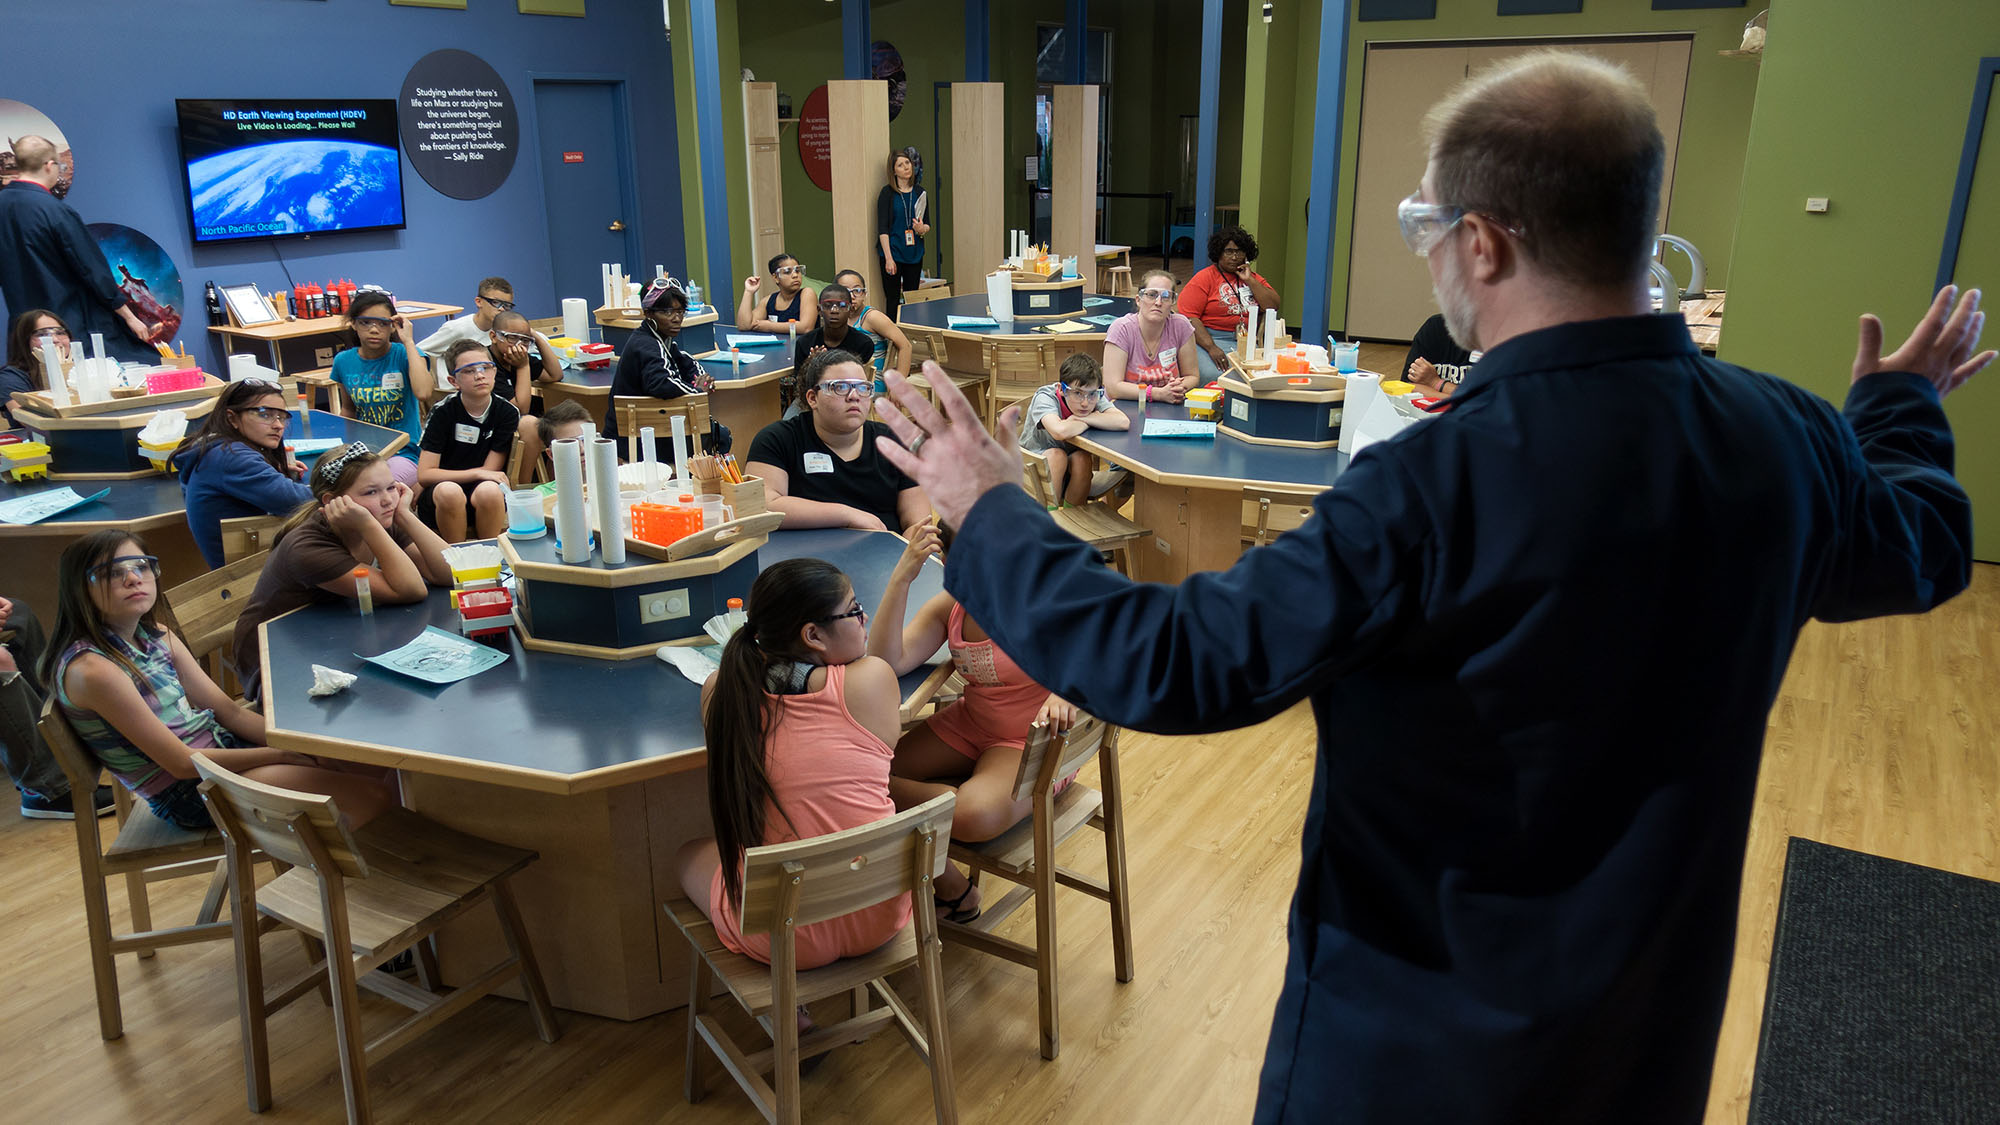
[(1388, 288)]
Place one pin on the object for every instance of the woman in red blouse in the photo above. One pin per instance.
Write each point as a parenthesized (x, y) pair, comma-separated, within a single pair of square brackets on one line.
[(1220, 298)]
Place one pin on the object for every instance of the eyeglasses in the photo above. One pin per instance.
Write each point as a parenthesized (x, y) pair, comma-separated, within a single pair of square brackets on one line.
[(788, 271), (503, 306), (1425, 224), (834, 306), (124, 567), (51, 333), (1156, 294), (858, 611), (269, 413), (476, 367), (848, 388), (376, 323)]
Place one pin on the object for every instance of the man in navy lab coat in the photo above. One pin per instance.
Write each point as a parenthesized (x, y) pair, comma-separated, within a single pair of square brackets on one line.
[(48, 260), (1518, 891)]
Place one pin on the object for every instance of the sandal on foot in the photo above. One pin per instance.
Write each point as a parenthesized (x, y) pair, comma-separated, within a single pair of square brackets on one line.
[(954, 910)]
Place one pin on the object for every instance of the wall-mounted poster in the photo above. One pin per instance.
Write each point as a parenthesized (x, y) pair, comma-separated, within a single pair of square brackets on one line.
[(146, 274), (19, 119), (816, 139), (460, 125)]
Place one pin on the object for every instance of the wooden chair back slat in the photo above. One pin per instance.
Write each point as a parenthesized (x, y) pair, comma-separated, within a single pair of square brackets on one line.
[(546, 325), (79, 765), (205, 608), (1072, 749), (266, 814), (247, 535), (636, 412), (927, 293), (1035, 477), (842, 872)]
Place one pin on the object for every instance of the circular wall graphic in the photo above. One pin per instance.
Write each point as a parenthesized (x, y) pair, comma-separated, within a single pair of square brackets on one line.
[(460, 126), (19, 119), (146, 274), (886, 62), (816, 140)]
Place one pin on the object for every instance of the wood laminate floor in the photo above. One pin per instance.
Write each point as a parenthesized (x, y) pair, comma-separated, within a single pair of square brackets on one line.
[(1883, 740)]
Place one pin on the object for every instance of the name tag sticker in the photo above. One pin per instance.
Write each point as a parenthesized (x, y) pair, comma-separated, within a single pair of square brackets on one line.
[(819, 463), (392, 380), (465, 434)]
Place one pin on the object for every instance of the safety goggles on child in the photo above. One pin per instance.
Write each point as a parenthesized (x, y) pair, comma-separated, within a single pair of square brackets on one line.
[(269, 413), (374, 323), (124, 567), (848, 388), (789, 271)]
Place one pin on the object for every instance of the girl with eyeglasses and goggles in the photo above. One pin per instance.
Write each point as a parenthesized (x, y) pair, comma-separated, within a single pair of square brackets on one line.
[(236, 464), (790, 301)]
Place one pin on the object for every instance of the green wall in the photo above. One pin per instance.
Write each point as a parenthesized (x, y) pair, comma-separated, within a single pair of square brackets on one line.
[(1708, 169), (1865, 104)]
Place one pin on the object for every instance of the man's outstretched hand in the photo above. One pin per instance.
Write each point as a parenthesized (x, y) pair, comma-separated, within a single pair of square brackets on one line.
[(1939, 348), (947, 452)]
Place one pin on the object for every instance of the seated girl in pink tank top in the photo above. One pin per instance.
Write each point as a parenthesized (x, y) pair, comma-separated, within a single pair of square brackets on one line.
[(801, 723), (972, 746)]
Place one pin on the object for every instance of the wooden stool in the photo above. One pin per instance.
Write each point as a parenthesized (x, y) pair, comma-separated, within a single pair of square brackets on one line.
[(1121, 281)]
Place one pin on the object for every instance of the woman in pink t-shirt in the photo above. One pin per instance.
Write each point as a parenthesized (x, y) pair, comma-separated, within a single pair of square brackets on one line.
[(1150, 354), (801, 725)]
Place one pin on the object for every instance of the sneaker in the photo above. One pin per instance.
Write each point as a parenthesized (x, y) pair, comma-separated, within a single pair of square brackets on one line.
[(34, 806)]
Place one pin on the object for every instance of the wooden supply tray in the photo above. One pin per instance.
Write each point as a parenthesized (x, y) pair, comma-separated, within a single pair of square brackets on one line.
[(41, 402)]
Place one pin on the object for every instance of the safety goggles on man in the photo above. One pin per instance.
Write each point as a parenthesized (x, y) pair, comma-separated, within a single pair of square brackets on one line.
[(1425, 224)]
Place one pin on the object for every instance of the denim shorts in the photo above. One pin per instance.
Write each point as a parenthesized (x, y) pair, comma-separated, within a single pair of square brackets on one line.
[(181, 804)]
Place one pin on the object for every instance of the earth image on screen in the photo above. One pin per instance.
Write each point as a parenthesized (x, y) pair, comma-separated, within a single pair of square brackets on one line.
[(296, 187)]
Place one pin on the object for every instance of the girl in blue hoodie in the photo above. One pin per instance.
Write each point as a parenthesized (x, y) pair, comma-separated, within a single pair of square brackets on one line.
[(236, 465)]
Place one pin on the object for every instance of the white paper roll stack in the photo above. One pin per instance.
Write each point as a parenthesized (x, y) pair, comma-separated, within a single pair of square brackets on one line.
[(572, 522), (242, 366), (576, 318), (604, 499), (1364, 392)]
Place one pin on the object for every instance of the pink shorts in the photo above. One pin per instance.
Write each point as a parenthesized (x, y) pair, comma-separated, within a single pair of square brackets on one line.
[(956, 727), (404, 470)]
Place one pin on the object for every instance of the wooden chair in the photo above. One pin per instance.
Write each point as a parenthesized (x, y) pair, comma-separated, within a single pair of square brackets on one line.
[(1026, 855), (973, 386), (1015, 370), (546, 325), (522, 473), (1268, 512), (926, 293), (1095, 523), (365, 895), (145, 850), (203, 611), (925, 343), (807, 881), (247, 535), (637, 411)]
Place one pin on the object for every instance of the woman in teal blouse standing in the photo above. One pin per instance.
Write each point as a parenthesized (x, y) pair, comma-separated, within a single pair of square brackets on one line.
[(900, 226)]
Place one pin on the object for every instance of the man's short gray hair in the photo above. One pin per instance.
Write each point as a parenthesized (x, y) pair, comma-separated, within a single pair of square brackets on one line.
[(1564, 148)]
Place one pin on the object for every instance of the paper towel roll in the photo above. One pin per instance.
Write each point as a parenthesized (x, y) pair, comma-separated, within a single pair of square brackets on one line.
[(1364, 391), (604, 498), (572, 523), (576, 319), (241, 367)]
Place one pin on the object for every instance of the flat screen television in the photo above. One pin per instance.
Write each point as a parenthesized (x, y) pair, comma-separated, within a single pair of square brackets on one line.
[(285, 168)]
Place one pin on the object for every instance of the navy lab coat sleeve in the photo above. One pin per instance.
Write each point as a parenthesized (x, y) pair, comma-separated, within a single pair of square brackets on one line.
[(1905, 542), (1222, 649)]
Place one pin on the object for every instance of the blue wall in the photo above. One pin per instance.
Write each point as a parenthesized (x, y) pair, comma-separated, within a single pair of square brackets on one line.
[(114, 67)]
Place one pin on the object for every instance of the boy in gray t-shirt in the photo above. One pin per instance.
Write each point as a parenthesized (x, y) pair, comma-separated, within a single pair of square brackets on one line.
[(1061, 411)]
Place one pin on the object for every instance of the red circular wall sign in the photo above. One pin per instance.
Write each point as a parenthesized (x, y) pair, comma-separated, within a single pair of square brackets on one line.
[(816, 140)]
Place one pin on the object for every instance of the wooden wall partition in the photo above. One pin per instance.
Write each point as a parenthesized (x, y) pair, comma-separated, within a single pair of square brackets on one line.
[(764, 177), (978, 182), (1073, 180), (858, 124)]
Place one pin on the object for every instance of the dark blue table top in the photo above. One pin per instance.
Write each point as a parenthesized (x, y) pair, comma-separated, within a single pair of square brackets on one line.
[(937, 314), (140, 499), (538, 721), (1224, 461), (756, 364)]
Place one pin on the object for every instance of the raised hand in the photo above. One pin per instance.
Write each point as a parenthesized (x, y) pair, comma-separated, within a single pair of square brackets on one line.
[(1939, 348)]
